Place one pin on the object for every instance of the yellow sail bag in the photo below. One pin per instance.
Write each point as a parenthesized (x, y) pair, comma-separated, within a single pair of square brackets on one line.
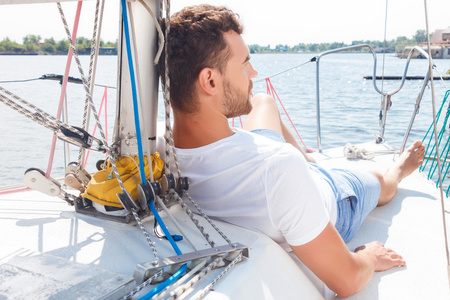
[(104, 187)]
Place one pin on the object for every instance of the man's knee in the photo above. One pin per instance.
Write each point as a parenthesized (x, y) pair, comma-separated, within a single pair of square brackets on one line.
[(263, 100)]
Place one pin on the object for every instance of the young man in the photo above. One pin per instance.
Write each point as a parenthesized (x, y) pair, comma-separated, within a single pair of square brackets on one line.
[(256, 179)]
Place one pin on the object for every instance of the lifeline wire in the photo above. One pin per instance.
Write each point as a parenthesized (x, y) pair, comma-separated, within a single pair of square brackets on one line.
[(43, 78), (282, 72)]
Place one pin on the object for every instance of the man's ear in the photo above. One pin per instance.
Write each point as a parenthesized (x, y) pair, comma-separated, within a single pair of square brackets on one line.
[(208, 79)]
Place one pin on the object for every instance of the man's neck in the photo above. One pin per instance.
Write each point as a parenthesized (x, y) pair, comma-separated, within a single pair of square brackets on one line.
[(199, 129)]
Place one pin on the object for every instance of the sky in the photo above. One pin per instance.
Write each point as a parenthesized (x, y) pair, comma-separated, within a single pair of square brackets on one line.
[(286, 22)]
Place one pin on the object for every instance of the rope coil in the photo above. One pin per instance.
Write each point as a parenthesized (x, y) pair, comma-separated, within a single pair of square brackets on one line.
[(353, 152)]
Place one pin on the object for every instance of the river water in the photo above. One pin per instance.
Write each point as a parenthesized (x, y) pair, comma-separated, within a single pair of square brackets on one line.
[(349, 104)]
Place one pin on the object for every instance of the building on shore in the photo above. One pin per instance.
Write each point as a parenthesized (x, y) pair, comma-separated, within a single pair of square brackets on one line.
[(439, 46)]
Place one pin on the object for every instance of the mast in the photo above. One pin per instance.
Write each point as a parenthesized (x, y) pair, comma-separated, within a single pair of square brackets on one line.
[(144, 45)]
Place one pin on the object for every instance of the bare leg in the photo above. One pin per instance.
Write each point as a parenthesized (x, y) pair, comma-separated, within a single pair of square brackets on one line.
[(407, 163), (265, 115)]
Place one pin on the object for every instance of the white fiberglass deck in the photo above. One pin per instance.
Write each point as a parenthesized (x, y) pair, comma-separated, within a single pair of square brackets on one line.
[(411, 224), (47, 250)]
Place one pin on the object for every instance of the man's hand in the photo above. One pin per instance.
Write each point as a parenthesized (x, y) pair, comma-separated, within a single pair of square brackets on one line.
[(385, 258)]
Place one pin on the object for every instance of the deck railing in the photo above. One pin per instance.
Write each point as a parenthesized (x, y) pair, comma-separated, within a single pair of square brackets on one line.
[(386, 95)]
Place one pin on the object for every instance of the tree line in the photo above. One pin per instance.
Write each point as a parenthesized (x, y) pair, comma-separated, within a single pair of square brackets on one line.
[(34, 44), (395, 45)]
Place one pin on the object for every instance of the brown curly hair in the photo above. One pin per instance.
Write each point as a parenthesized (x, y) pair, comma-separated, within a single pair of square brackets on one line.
[(196, 42)]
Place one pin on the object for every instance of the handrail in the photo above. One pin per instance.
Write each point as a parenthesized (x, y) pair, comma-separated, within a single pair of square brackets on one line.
[(386, 95)]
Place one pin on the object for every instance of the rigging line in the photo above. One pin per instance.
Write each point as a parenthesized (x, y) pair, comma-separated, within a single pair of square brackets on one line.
[(104, 100), (64, 85), (134, 92), (208, 288), (180, 228), (180, 284), (139, 141), (441, 77), (282, 72), (273, 93), (195, 279), (95, 45), (168, 136), (161, 40), (436, 141), (165, 284), (39, 116), (17, 81), (55, 78), (89, 96), (137, 126), (138, 288), (83, 78)]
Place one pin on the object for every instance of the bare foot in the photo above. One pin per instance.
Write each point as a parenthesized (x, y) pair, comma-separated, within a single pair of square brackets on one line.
[(408, 161)]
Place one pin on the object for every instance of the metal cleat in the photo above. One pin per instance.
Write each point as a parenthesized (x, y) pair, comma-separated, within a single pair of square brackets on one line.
[(142, 270)]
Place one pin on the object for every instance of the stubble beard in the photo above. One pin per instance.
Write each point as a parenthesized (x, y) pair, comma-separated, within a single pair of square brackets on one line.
[(236, 103)]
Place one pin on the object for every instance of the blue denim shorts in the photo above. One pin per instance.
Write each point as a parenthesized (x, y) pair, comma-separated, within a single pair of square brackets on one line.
[(356, 193), (352, 210)]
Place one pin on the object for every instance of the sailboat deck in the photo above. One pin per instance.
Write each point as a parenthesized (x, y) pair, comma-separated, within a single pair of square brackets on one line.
[(411, 224), (43, 238)]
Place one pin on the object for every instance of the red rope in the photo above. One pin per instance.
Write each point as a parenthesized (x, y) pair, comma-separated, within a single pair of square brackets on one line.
[(15, 190), (271, 91), (64, 85), (104, 100)]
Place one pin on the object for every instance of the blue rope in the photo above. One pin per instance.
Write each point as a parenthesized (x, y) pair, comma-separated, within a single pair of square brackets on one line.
[(133, 88), (165, 284), (182, 270)]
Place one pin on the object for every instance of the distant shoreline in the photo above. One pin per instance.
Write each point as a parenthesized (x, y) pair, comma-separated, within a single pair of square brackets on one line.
[(47, 54)]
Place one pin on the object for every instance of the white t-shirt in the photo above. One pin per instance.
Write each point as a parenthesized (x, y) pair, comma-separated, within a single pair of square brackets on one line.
[(254, 182)]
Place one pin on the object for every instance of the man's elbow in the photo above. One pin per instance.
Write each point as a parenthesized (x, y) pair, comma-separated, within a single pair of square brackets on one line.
[(347, 286), (344, 292)]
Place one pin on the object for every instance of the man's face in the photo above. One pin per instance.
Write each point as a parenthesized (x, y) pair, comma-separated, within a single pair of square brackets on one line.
[(237, 82)]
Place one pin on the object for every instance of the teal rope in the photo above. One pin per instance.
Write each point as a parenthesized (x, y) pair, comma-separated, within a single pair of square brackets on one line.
[(431, 153), (428, 153)]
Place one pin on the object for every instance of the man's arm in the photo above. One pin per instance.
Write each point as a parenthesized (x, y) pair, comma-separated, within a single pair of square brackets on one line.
[(344, 272)]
